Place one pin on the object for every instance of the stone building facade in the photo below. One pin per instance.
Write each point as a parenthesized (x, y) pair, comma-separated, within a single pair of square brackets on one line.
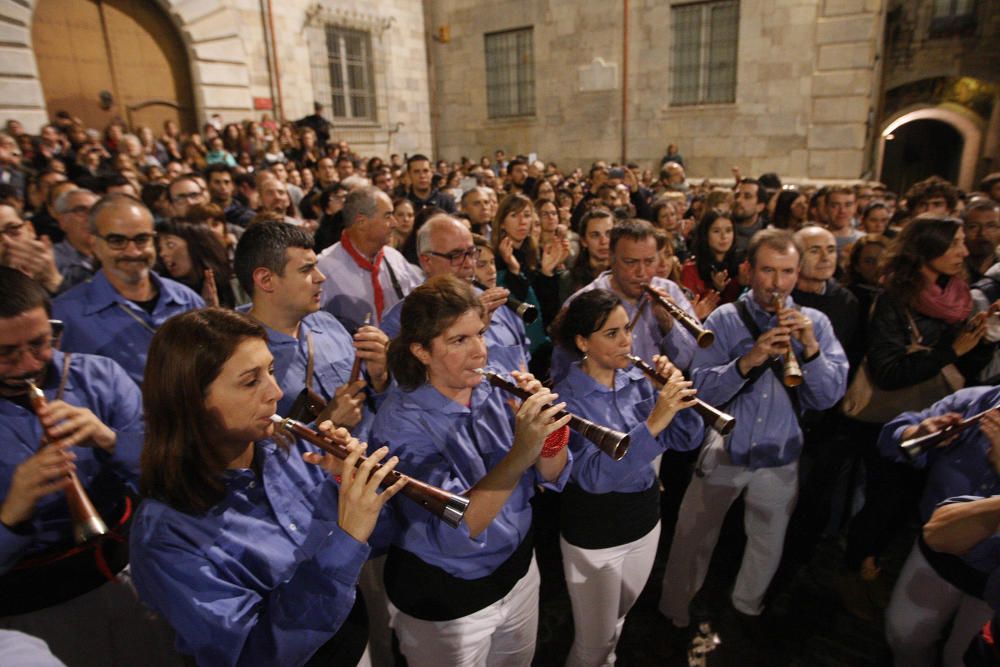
[(940, 96), (806, 84), (235, 67)]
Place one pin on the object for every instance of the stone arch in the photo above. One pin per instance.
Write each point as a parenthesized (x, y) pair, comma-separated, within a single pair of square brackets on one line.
[(208, 29), (968, 126)]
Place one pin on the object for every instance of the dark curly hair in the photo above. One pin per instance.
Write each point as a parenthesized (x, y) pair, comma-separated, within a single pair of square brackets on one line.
[(920, 242)]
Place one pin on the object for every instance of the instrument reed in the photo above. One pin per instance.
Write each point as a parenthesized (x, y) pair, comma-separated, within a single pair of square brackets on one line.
[(448, 507), (613, 443), (717, 419), (703, 336), (87, 522)]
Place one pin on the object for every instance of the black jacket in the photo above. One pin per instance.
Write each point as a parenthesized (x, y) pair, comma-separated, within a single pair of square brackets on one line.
[(889, 337)]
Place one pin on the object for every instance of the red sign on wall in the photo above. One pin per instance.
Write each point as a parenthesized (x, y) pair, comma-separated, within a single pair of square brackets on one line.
[(263, 103)]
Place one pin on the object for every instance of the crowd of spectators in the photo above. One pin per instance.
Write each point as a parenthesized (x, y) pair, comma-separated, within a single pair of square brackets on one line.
[(909, 281)]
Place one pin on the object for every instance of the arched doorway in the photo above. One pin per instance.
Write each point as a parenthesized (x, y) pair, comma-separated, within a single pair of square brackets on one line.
[(921, 148), (101, 59)]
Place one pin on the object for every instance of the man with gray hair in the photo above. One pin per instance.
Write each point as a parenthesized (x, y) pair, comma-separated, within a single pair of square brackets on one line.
[(117, 312), (74, 254), (446, 246), (363, 274)]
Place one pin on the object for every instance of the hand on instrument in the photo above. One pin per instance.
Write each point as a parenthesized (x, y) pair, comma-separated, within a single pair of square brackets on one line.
[(989, 426), (345, 407), (533, 423), (360, 501), (371, 345), (930, 425), (36, 477), (663, 317), (801, 329), (72, 425), (674, 396), (492, 299), (771, 343)]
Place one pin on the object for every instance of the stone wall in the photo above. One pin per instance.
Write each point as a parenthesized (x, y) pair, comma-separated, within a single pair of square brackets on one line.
[(226, 47), (806, 71)]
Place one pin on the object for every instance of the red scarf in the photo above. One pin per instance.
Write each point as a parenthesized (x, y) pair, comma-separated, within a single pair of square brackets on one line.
[(953, 304), (372, 268)]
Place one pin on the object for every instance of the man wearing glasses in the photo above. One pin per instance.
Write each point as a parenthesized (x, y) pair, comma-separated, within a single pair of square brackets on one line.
[(185, 192), (74, 254), (76, 598), (445, 245), (117, 312)]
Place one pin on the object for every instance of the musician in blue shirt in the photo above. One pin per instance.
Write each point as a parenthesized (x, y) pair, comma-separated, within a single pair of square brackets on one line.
[(116, 313), (634, 259), (276, 266), (610, 510), (465, 596), (740, 374), (925, 599), (51, 587), (249, 550)]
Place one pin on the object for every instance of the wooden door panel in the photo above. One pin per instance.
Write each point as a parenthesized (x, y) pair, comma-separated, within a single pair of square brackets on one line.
[(135, 53), (73, 64), (149, 62)]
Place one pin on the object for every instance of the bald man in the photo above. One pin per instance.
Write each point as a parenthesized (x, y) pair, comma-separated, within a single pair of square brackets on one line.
[(445, 245), (117, 312)]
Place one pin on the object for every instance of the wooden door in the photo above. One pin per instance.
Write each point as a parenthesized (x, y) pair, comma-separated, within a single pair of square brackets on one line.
[(127, 49)]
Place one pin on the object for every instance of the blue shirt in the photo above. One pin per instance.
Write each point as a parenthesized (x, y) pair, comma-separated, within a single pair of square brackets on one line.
[(333, 357), (767, 432), (647, 339), (505, 332), (101, 321), (96, 383), (624, 408), (453, 447), (265, 577), (962, 468)]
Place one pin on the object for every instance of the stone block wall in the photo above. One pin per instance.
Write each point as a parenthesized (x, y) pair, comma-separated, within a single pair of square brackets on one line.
[(806, 71), (227, 53)]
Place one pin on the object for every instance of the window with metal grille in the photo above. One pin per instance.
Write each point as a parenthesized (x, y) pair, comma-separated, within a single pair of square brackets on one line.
[(510, 73), (703, 63), (951, 17), (352, 86)]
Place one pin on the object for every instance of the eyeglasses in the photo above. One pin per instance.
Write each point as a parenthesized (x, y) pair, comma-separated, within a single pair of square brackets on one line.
[(120, 241), (188, 196), (11, 354), (79, 210), (456, 257)]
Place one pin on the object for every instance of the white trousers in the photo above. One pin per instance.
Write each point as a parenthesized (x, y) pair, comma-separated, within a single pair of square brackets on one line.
[(922, 604), (500, 635), (603, 585), (770, 498), (106, 627)]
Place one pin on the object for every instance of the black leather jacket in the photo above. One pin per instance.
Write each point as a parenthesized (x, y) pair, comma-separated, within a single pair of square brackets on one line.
[(889, 338)]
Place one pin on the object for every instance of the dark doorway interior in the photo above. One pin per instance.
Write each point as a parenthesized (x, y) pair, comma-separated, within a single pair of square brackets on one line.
[(920, 149)]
